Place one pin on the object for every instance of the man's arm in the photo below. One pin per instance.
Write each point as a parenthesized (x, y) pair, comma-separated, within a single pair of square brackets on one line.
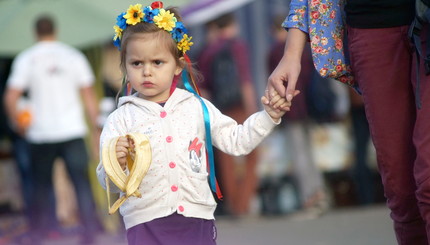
[(11, 98)]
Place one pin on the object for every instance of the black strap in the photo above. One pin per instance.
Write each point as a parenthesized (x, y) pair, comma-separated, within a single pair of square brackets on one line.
[(422, 18), (414, 34), (427, 57)]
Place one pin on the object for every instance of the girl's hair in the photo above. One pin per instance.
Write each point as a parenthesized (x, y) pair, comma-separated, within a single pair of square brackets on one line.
[(164, 38)]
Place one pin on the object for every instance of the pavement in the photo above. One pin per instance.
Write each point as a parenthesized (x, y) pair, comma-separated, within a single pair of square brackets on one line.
[(369, 225), (347, 226)]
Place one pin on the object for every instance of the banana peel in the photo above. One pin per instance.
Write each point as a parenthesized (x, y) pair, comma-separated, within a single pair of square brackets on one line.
[(138, 163)]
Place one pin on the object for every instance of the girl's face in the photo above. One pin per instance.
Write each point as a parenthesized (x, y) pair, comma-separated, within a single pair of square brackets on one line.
[(150, 67)]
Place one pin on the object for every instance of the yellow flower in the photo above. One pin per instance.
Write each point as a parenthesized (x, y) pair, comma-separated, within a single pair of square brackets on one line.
[(134, 14), (185, 43), (118, 32), (165, 20)]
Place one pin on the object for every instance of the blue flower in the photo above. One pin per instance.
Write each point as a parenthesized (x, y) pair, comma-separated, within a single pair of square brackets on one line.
[(117, 43), (154, 14), (149, 14), (121, 21), (179, 31)]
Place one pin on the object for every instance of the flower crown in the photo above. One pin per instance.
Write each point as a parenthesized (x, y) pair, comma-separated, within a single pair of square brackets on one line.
[(155, 13)]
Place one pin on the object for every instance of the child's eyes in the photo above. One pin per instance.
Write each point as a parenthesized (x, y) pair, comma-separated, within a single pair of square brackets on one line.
[(139, 63)]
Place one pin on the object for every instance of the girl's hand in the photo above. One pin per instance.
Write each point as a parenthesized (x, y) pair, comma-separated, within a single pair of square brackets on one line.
[(122, 147), (276, 106)]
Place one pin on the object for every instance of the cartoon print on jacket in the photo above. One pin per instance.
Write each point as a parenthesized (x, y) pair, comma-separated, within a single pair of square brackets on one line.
[(195, 154)]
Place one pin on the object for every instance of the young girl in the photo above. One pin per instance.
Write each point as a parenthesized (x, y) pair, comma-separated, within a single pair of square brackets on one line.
[(173, 203)]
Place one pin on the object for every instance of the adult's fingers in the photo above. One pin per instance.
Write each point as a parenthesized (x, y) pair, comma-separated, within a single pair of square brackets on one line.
[(291, 87), (276, 82)]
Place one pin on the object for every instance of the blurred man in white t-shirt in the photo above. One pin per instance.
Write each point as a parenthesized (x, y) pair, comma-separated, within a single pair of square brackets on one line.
[(57, 79)]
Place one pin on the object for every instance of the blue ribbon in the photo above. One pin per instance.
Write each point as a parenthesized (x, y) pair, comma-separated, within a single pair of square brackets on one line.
[(206, 117)]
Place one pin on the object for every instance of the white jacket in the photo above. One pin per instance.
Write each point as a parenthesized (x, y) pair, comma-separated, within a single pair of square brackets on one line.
[(177, 180)]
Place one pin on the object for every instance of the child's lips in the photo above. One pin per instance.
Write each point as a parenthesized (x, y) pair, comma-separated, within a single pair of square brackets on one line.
[(147, 84)]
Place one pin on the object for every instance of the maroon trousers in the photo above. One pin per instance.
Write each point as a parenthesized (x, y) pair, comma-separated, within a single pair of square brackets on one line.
[(383, 61)]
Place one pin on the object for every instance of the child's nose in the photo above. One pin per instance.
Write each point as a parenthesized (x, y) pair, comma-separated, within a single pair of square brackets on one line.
[(146, 70)]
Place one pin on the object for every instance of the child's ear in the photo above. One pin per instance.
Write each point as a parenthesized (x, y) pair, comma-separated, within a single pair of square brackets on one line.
[(180, 66)]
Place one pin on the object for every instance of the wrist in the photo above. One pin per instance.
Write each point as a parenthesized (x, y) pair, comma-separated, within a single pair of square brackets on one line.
[(292, 54), (276, 120), (295, 44), (274, 117)]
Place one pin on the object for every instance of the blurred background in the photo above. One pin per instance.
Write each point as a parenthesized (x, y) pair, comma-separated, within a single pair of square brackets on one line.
[(343, 160)]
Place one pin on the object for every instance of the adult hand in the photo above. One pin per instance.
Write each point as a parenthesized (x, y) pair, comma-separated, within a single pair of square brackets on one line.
[(284, 78)]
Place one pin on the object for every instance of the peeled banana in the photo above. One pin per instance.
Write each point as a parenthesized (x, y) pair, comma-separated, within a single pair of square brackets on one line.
[(138, 162)]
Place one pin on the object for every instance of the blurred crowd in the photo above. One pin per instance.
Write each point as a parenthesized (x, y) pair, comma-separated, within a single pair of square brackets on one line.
[(321, 156)]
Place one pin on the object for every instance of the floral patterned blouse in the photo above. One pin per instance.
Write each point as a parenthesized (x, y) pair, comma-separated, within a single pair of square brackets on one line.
[(323, 20)]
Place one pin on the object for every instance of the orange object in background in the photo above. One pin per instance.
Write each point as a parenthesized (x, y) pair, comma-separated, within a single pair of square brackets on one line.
[(24, 118)]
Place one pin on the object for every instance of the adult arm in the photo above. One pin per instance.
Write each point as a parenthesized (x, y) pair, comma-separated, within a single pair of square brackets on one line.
[(17, 83), (284, 78), (11, 97)]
